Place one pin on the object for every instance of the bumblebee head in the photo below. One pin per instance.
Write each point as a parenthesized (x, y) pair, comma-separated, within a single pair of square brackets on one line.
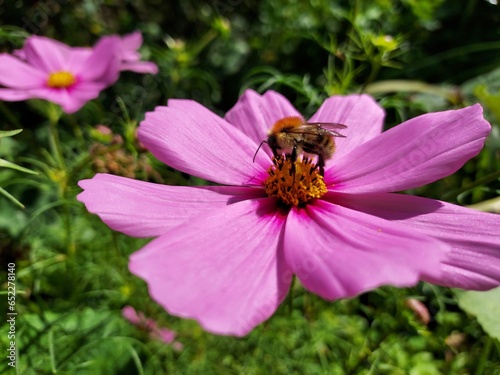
[(272, 141)]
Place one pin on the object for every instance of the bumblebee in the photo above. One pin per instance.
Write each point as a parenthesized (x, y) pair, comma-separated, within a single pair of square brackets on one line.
[(293, 137)]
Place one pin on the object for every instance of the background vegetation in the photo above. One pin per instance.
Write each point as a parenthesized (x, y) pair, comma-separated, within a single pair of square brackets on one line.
[(71, 270)]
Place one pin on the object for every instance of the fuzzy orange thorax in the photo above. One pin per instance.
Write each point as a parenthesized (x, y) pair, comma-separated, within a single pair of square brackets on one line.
[(286, 122)]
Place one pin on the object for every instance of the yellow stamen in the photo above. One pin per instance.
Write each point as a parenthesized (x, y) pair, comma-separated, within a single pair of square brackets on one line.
[(294, 187), (61, 79)]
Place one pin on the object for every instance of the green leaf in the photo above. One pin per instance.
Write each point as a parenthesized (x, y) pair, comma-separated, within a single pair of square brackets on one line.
[(485, 306), (9, 133), (10, 197), (492, 101), (8, 164)]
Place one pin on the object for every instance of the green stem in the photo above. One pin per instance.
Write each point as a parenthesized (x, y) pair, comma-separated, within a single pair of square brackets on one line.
[(484, 357), (203, 42), (51, 352), (62, 176), (400, 85), (55, 146), (480, 181), (376, 65), (330, 74)]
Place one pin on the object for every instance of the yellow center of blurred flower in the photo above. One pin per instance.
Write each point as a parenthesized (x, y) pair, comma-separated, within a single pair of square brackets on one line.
[(61, 79), (294, 184)]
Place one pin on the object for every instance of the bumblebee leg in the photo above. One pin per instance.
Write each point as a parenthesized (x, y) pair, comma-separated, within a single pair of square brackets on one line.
[(294, 155), (276, 155), (321, 165), (293, 158)]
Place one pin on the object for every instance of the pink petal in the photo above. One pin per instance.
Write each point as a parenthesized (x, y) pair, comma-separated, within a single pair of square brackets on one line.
[(78, 56), (417, 152), (164, 334), (19, 53), (86, 91), (474, 236), (139, 320), (47, 54), (143, 209), (49, 94), (19, 75), (129, 313), (338, 253), (361, 113), (130, 43), (69, 102), (72, 105), (127, 55), (103, 63), (224, 269), (192, 139), (148, 323), (12, 95), (144, 67), (74, 98), (255, 114)]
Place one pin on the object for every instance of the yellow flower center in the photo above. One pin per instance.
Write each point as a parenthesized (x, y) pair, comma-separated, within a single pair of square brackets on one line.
[(61, 79), (294, 184)]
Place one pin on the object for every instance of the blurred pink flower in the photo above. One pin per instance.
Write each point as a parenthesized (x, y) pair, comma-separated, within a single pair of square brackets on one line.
[(69, 76), (58, 73), (225, 255), (149, 325)]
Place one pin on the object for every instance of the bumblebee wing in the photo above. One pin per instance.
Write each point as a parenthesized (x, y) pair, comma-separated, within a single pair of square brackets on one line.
[(327, 125), (336, 133), (312, 128)]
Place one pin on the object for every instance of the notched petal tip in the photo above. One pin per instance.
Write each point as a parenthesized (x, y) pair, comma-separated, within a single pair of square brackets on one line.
[(474, 259), (414, 153), (339, 253)]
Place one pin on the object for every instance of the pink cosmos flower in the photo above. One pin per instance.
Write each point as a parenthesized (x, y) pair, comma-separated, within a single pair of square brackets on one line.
[(69, 76), (139, 320), (58, 73), (225, 255)]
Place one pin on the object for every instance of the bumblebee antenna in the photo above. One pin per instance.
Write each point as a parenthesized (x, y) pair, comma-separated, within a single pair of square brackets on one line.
[(254, 155)]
